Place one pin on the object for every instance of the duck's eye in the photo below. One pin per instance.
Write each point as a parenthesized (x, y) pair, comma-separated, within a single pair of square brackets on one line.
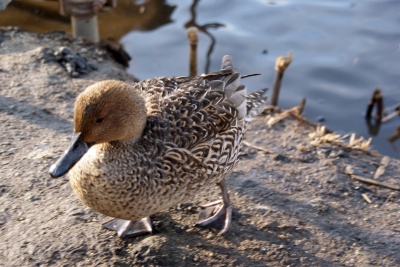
[(99, 120)]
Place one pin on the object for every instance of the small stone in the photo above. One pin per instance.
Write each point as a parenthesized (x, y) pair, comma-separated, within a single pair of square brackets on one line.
[(210, 235), (349, 169), (31, 249), (178, 229), (31, 197)]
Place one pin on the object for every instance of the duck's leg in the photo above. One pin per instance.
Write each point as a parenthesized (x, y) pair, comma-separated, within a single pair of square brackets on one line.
[(127, 228), (211, 212)]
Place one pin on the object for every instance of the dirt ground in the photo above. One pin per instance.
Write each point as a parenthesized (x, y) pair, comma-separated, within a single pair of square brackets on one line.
[(295, 202)]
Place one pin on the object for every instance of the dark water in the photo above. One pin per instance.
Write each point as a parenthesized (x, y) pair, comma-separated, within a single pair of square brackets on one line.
[(342, 50)]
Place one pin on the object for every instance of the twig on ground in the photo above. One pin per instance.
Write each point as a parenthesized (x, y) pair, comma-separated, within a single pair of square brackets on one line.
[(382, 167), (273, 152), (301, 106), (373, 182), (395, 135), (366, 198), (294, 112), (392, 115), (258, 147)]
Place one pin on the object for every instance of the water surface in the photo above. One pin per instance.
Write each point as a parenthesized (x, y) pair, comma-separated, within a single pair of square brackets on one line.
[(342, 50)]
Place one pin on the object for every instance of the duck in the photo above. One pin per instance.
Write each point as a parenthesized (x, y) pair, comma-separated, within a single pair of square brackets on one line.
[(141, 148)]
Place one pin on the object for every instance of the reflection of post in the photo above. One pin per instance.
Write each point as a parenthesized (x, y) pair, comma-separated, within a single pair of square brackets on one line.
[(192, 37), (204, 28), (85, 27), (373, 128), (83, 15), (378, 100)]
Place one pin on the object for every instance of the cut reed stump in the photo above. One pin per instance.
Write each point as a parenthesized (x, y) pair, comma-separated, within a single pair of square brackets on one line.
[(193, 40), (281, 65)]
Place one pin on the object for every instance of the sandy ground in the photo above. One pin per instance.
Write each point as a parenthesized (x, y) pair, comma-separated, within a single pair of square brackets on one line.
[(295, 202)]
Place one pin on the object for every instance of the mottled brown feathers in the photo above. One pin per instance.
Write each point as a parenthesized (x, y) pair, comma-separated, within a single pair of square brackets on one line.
[(163, 140)]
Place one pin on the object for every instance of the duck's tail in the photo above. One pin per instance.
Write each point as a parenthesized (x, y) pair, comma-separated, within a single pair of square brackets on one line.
[(235, 93), (247, 105)]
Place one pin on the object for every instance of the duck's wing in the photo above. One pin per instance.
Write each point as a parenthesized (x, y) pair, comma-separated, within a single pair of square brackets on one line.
[(188, 111)]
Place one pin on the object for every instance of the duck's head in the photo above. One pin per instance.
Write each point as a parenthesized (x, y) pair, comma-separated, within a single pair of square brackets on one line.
[(106, 111)]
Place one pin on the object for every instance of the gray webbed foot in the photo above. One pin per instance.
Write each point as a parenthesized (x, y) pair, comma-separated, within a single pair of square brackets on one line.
[(212, 212), (126, 228)]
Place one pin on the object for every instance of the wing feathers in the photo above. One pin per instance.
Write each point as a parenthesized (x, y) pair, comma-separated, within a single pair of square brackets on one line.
[(198, 109)]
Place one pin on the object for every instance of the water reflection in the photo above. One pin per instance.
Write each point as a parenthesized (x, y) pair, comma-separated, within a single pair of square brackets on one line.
[(204, 29), (43, 16), (341, 48), (373, 126)]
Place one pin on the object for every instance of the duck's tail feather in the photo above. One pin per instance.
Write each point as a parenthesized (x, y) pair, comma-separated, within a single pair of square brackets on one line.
[(232, 81), (248, 105), (255, 105), (235, 93), (256, 102), (227, 63)]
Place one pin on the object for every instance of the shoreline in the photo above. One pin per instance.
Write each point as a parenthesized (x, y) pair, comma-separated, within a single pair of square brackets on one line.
[(295, 195)]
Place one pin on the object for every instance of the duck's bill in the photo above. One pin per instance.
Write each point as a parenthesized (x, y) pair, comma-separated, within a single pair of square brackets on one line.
[(72, 155)]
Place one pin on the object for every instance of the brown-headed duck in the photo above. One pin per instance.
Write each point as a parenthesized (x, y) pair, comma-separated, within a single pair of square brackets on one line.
[(141, 148)]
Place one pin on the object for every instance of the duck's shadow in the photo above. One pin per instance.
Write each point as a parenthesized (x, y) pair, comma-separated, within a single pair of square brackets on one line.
[(176, 242)]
